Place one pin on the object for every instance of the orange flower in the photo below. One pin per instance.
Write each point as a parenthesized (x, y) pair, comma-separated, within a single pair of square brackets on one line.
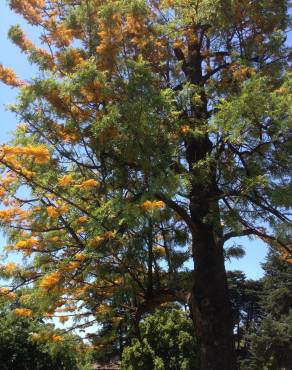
[(53, 239), (103, 308), (26, 312), (50, 280), (8, 76), (26, 246), (2, 191), (87, 184), (159, 249), (65, 180), (7, 215), (109, 234), (6, 293), (152, 205), (52, 212), (79, 257), (72, 265), (185, 129), (95, 241), (82, 219), (40, 153), (178, 44), (10, 267), (30, 9), (56, 338)]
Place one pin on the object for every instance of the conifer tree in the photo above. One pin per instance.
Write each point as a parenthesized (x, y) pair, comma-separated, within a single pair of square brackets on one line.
[(269, 339), (152, 126)]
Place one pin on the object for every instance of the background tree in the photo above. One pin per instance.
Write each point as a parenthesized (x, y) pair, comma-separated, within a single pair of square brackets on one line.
[(150, 121), (167, 342), (269, 340), (245, 297), (26, 344)]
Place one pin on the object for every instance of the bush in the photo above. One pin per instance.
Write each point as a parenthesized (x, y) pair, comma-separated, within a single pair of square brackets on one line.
[(167, 343)]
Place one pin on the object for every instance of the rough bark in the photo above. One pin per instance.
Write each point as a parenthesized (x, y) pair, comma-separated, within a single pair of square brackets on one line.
[(211, 308), (210, 304)]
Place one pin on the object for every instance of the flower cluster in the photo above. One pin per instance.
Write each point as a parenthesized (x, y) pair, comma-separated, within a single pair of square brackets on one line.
[(65, 180), (87, 184), (8, 76), (26, 312), (40, 153), (7, 293), (27, 246), (50, 281), (10, 267), (13, 214), (30, 9), (56, 211), (152, 205), (95, 242)]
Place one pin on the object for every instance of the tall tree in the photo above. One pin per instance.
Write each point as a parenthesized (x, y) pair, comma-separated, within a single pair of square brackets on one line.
[(245, 296), (269, 339), (151, 123)]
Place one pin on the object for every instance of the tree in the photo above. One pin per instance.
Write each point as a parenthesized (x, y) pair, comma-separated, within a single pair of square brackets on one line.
[(245, 296), (167, 342), (269, 340), (26, 343), (152, 125)]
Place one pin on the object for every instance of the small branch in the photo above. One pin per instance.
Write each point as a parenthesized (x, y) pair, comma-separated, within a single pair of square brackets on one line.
[(179, 210), (214, 71)]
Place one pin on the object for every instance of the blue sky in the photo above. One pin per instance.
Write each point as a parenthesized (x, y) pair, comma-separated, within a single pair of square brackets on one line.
[(11, 56)]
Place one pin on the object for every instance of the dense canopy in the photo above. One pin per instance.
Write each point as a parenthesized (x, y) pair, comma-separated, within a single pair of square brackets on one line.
[(154, 132)]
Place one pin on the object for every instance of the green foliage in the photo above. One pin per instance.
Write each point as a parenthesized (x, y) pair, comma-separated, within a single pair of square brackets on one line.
[(167, 343), (270, 344), (140, 356), (26, 344), (269, 340), (154, 132)]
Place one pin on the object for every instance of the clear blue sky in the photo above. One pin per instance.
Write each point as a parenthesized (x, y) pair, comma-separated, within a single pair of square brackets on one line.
[(11, 56)]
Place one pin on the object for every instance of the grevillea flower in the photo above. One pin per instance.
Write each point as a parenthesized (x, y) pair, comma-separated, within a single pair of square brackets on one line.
[(26, 312)]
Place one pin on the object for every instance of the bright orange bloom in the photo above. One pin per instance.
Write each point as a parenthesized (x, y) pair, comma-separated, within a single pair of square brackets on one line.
[(149, 205), (8, 76), (50, 281), (40, 153), (56, 338), (52, 212), (27, 246), (26, 312), (65, 180), (87, 184), (6, 293)]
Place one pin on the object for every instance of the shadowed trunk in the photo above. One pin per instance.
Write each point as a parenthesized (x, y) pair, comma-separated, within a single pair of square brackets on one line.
[(210, 304), (211, 308)]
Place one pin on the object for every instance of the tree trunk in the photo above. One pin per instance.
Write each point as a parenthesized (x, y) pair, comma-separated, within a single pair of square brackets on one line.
[(210, 305), (211, 308)]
